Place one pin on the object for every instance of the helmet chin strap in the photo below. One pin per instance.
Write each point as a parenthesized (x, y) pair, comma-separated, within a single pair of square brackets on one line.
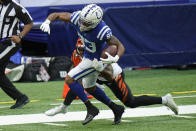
[(83, 28)]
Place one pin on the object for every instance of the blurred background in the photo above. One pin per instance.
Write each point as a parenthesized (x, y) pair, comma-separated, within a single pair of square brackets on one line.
[(155, 33)]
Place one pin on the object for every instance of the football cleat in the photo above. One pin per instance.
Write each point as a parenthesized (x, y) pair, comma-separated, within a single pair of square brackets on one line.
[(91, 113), (118, 111), (171, 104), (58, 109), (20, 102)]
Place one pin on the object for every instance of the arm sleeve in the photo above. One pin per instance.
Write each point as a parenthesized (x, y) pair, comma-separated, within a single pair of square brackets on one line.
[(23, 15), (105, 33)]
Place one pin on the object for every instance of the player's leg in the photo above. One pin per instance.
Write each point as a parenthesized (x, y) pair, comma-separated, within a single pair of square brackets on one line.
[(99, 94), (123, 92), (84, 69)]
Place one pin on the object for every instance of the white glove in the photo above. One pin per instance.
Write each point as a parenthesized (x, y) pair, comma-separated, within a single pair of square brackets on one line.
[(98, 65), (45, 27), (110, 59)]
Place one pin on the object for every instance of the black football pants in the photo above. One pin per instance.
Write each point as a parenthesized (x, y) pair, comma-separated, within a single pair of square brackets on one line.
[(122, 91), (7, 49)]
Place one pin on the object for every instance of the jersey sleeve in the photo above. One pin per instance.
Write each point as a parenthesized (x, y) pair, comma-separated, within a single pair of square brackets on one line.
[(104, 33), (75, 17), (23, 15)]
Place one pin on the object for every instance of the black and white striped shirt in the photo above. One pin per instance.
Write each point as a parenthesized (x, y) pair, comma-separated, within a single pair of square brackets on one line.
[(10, 16)]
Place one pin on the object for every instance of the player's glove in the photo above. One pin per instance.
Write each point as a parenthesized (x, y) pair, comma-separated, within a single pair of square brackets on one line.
[(45, 27), (110, 59), (98, 65)]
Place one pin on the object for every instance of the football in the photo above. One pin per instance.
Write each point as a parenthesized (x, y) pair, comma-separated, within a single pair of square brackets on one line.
[(111, 49)]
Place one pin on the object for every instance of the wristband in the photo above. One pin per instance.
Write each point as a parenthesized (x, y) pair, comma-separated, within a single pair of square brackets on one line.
[(20, 36)]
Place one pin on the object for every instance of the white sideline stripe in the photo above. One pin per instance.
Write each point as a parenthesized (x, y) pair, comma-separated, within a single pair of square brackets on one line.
[(4, 106), (189, 117), (55, 124), (104, 114), (111, 119)]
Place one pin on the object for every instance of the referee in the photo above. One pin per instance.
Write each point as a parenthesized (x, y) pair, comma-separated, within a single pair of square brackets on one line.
[(11, 13)]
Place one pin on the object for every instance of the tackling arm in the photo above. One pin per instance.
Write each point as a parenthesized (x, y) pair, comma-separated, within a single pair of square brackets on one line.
[(107, 73)]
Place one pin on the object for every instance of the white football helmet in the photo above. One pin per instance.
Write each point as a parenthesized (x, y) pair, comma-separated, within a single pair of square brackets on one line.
[(90, 16)]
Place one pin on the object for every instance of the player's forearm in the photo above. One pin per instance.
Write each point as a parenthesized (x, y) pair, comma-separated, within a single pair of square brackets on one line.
[(26, 29), (107, 75), (65, 16), (52, 17), (120, 50), (114, 41)]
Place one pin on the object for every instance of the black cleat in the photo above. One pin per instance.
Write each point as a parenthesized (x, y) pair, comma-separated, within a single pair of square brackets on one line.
[(20, 102), (91, 113), (118, 111)]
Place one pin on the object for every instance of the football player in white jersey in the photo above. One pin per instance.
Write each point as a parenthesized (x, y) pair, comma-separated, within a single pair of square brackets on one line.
[(113, 77), (95, 34)]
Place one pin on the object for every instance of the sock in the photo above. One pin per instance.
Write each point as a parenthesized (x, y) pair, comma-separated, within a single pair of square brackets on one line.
[(164, 100), (101, 96), (78, 90), (112, 105), (88, 104), (69, 97)]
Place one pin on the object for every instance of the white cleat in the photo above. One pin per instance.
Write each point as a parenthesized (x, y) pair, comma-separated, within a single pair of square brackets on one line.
[(58, 109), (171, 104)]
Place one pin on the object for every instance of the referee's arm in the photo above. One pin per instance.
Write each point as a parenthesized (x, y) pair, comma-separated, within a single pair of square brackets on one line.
[(24, 16), (26, 29)]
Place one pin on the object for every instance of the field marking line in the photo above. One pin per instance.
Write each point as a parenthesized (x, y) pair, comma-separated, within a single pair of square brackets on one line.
[(11, 102), (183, 92), (111, 119), (104, 114), (4, 107), (183, 116), (183, 96), (55, 124)]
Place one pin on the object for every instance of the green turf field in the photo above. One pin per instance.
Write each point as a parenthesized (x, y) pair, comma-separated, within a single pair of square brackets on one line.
[(155, 82)]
